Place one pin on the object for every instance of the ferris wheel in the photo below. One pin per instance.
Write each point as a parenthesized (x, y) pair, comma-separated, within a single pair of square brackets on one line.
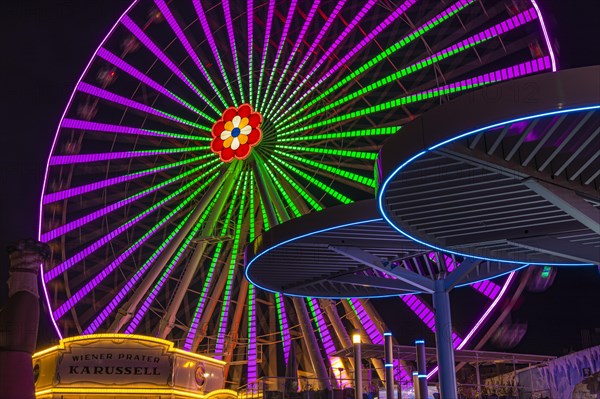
[(197, 125)]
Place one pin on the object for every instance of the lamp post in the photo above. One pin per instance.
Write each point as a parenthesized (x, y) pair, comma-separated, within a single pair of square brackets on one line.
[(389, 366), (357, 366), (340, 369)]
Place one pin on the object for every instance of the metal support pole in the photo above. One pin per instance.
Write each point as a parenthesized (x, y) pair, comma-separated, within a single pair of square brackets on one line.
[(389, 366), (416, 385), (421, 368), (357, 366), (443, 340)]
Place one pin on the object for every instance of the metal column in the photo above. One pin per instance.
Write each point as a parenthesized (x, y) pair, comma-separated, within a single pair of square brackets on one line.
[(389, 366), (421, 368), (443, 340), (357, 366)]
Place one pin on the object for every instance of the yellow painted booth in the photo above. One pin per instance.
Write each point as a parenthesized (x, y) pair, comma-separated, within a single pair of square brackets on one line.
[(126, 366)]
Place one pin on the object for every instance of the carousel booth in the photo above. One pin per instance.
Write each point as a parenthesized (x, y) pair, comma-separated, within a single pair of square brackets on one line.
[(126, 366)]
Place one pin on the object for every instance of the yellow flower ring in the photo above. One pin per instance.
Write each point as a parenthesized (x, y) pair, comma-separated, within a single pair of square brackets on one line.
[(236, 133)]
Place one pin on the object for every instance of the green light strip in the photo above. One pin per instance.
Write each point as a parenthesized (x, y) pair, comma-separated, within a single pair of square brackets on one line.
[(283, 193), (381, 131), (388, 105), (211, 269), (327, 151), (367, 181), (314, 204), (251, 217), (335, 194), (265, 52), (233, 257), (264, 216), (383, 55), (390, 79)]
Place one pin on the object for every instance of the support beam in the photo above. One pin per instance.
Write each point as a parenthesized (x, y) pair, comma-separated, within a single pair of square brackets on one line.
[(399, 286), (568, 201), (562, 248), (443, 340), (416, 280), (457, 275)]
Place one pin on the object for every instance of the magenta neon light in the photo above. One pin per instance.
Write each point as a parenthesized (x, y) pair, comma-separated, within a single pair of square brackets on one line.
[(68, 123), (265, 48), (106, 156), (546, 37), (229, 25), (124, 66), (166, 12), (285, 329), (252, 373), (212, 44), (311, 49), (424, 312), (323, 330), (150, 45)]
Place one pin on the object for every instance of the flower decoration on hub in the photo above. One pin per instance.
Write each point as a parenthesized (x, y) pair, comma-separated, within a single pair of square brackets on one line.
[(236, 133)]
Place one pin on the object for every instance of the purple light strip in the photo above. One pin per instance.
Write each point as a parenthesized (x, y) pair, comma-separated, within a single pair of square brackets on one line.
[(68, 123), (126, 102), (284, 34), (357, 18), (166, 12), (150, 45), (250, 12), (54, 143), (328, 344), (423, 311), (252, 373), (355, 49), (311, 13), (494, 31), (285, 327), (265, 48), (52, 273), (229, 25), (106, 156), (129, 284), (545, 32), (212, 44), (481, 319), (75, 191), (317, 41), (124, 66)]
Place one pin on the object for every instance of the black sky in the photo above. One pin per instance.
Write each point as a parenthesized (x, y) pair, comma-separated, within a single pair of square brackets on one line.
[(46, 45)]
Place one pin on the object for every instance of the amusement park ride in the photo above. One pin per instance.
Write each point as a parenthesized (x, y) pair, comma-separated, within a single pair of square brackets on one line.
[(198, 126)]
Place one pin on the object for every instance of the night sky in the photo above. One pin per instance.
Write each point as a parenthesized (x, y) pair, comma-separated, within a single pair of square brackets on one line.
[(45, 47)]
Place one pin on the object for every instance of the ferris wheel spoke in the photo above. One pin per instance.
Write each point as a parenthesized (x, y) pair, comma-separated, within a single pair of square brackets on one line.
[(67, 227), (191, 338), (522, 69), (234, 55), (78, 124), (125, 314), (213, 46), (381, 27), (407, 39), (166, 12), (141, 77), (370, 133), (317, 183), (363, 183), (61, 310), (282, 41), (108, 156), (309, 17), (129, 284), (319, 319), (209, 223), (284, 325), (349, 27), (313, 202), (481, 37), (87, 188), (125, 102), (252, 352), (265, 50), (139, 34)]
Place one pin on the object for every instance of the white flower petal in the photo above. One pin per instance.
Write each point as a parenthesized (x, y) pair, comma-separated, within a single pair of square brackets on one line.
[(225, 134), (236, 120), (246, 130), (235, 144)]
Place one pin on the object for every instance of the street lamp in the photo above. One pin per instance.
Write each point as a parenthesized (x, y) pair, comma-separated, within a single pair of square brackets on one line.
[(357, 366)]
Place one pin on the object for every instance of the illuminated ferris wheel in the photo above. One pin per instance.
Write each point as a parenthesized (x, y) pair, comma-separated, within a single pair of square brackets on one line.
[(197, 125)]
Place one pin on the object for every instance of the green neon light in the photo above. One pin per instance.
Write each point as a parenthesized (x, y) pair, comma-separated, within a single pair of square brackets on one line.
[(234, 254), (546, 272), (251, 217), (314, 204), (283, 193), (381, 131), (266, 224), (382, 56), (282, 319), (329, 151), (334, 193), (367, 181), (388, 105)]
